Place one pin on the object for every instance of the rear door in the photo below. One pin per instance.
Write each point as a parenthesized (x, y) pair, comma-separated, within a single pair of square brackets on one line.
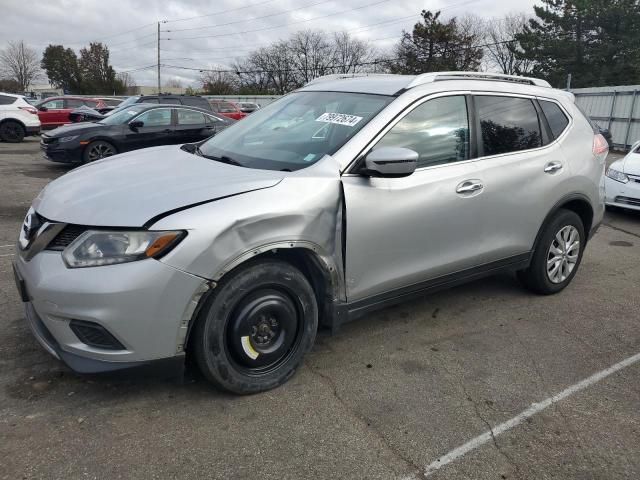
[(522, 170), (191, 126)]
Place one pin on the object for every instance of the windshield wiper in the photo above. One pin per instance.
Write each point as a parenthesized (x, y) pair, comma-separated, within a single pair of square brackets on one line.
[(223, 159)]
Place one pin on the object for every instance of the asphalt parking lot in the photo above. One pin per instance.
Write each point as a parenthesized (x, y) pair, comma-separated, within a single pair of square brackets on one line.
[(391, 396)]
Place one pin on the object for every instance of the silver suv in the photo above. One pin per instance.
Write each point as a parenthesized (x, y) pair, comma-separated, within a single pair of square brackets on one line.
[(345, 196)]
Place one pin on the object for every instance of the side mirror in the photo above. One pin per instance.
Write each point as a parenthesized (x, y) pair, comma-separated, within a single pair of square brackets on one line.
[(136, 124), (43, 109), (390, 162)]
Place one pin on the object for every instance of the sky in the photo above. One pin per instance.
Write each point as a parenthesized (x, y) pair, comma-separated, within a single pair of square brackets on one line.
[(206, 34)]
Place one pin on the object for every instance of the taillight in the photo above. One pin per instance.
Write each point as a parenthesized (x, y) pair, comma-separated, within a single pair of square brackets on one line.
[(600, 144), (29, 109)]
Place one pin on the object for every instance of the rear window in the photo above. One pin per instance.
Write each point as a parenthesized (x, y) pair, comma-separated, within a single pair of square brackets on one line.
[(196, 102), (91, 103), (7, 100), (508, 124), (558, 121)]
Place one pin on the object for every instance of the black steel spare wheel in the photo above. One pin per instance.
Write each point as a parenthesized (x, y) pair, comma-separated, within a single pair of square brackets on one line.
[(263, 330), (255, 328)]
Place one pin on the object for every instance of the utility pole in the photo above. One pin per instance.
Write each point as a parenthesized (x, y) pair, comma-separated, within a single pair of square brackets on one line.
[(158, 58)]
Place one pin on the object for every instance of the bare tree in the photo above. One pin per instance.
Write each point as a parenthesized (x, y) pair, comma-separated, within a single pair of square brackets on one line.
[(19, 62), (503, 50), (351, 55), (173, 83), (311, 53), (126, 80), (218, 81)]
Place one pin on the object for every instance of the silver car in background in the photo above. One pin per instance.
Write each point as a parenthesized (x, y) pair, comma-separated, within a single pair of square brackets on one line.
[(345, 196)]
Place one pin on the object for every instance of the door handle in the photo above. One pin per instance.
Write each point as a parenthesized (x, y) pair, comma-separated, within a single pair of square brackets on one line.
[(552, 167), (469, 186)]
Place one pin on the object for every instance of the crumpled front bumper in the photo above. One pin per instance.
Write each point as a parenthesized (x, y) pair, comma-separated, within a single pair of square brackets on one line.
[(145, 305)]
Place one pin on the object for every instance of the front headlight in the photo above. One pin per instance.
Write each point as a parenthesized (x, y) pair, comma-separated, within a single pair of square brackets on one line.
[(617, 175), (69, 139), (100, 247)]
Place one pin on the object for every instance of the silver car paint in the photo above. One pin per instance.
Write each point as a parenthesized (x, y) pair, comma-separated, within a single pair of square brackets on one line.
[(131, 189), (398, 231)]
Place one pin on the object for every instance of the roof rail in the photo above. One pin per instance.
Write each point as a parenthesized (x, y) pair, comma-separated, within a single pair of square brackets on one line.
[(341, 76), (495, 77)]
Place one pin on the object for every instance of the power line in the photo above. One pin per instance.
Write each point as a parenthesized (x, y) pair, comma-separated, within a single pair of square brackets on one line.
[(283, 24), (252, 18), (220, 12)]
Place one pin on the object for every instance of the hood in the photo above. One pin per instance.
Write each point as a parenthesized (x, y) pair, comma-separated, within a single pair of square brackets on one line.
[(631, 164), (74, 129), (130, 189)]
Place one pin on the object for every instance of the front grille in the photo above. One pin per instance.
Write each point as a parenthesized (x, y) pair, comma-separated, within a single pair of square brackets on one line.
[(95, 335), (66, 236), (628, 200)]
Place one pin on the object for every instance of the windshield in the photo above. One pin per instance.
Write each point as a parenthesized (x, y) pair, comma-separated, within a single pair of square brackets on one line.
[(123, 115), (295, 131)]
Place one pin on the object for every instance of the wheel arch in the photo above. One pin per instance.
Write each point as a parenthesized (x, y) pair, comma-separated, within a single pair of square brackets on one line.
[(16, 120), (320, 270), (575, 202)]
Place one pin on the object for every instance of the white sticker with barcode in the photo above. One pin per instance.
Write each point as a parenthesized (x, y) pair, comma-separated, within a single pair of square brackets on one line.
[(339, 119)]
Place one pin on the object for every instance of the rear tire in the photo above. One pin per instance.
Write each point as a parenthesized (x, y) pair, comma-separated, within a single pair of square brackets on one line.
[(98, 150), (11, 132), (557, 256), (253, 332)]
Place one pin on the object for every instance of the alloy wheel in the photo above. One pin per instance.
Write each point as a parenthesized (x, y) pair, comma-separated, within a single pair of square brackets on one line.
[(563, 254), (100, 150)]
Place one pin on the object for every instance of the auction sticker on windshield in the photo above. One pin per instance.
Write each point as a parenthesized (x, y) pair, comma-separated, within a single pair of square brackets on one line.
[(339, 119)]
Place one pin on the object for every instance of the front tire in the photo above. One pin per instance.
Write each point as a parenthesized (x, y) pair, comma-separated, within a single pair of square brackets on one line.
[(11, 132), (557, 256), (253, 332), (98, 150)]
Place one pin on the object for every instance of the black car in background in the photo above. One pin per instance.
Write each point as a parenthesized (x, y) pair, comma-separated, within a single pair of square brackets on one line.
[(166, 98), (138, 126)]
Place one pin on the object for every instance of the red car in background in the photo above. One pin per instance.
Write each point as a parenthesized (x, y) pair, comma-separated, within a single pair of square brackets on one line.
[(54, 111), (228, 109)]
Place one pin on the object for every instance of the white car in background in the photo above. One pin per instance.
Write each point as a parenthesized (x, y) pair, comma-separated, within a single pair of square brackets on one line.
[(18, 118), (622, 183)]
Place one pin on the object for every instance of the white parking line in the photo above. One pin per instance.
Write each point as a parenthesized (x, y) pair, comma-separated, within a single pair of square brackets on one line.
[(6, 246), (8, 255), (529, 412)]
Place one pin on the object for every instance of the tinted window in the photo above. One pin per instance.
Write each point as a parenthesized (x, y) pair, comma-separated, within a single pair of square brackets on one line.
[(226, 108), (170, 100), (196, 102), (74, 103), (558, 121), (150, 100), (438, 130), (91, 103), (6, 100), (54, 104), (158, 117), (508, 124), (190, 117), (111, 102)]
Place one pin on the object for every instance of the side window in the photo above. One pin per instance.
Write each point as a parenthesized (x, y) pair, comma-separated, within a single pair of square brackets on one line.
[(438, 130), (170, 100), (73, 103), (7, 100), (149, 100), (190, 117), (558, 121), (507, 124), (54, 104), (91, 103), (212, 120), (158, 117)]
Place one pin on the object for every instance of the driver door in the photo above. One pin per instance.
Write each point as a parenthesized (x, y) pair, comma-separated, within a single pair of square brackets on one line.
[(157, 130), (403, 232)]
